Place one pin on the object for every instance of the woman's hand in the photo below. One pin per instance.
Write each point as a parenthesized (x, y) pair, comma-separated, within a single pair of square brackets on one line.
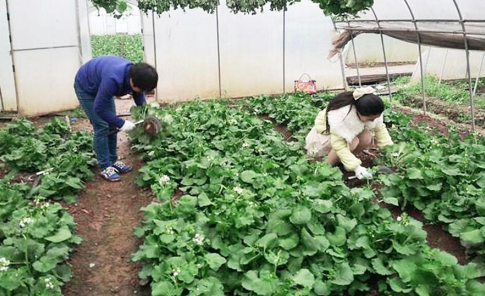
[(362, 173)]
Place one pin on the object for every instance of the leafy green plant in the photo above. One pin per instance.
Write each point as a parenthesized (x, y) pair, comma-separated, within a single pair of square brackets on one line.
[(36, 235), (257, 218), (330, 7), (444, 178), (35, 242), (127, 46)]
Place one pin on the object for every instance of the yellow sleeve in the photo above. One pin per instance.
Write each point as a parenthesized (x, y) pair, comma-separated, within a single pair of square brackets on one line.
[(321, 121), (382, 136), (348, 159)]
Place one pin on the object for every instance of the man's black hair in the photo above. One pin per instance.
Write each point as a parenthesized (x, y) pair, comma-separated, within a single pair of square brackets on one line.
[(144, 76)]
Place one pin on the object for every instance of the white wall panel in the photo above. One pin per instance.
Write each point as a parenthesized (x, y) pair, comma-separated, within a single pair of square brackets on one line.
[(308, 42), (369, 49), (45, 79), (7, 80), (50, 40), (455, 64), (84, 33), (251, 52), (186, 55), (148, 39), (47, 23)]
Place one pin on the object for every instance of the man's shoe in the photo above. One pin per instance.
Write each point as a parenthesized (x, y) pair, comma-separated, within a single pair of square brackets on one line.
[(110, 174), (122, 167)]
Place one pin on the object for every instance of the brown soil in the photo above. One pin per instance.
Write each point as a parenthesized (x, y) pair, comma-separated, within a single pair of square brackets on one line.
[(377, 64), (456, 113), (435, 123), (106, 214)]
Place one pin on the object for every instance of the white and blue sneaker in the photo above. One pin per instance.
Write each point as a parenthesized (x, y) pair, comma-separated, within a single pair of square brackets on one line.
[(110, 174), (122, 167)]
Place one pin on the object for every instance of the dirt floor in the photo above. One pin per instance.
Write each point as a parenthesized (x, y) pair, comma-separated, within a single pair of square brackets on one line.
[(106, 214)]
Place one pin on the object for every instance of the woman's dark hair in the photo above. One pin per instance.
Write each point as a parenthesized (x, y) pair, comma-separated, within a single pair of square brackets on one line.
[(144, 76), (366, 105)]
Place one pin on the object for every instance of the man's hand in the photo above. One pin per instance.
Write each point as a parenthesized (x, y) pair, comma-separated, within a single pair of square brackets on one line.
[(362, 173), (127, 126)]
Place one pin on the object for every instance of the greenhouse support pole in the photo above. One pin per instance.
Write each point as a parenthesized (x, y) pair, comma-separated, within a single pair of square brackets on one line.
[(154, 49), (478, 75), (284, 50), (342, 69), (218, 52), (1, 100), (472, 102), (355, 56), (420, 55), (443, 67), (385, 56)]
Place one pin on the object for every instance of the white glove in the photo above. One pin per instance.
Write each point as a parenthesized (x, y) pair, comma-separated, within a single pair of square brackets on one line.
[(127, 126), (362, 173)]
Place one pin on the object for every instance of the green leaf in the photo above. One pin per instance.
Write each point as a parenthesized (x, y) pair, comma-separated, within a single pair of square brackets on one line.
[(279, 258), (398, 286), (10, 280), (469, 271), (214, 260), (338, 238), (347, 223), (62, 234), (267, 241), (289, 242), (322, 206), (414, 174), (278, 224), (480, 205), (248, 176), (304, 278), (45, 264), (391, 200), (265, 284), (322, 288), (301, 215), (379, 267), (444, 258), (406, 269), (165, 288), (435, 187), (451, 171), (75, 183), (203, 200), (208, 286), (343, 275), (122, 6), (472, 238)]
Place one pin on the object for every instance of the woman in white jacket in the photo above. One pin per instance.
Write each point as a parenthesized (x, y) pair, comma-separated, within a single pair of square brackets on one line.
[(349, 124)]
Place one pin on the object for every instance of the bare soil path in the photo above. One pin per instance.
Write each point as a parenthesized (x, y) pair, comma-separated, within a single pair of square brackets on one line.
[(106, 213)]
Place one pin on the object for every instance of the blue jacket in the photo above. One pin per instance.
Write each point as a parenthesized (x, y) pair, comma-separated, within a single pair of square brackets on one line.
[(106, 77)]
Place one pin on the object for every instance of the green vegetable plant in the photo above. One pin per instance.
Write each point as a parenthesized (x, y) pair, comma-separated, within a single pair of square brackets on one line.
[(257, 218)]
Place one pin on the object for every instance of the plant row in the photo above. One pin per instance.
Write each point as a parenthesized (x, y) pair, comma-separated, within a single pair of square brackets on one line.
[(36, 234), (257, 218), (441, 176)]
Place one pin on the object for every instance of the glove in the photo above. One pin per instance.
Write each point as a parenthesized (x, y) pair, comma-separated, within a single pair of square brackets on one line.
[(127, 126), (362, 173)]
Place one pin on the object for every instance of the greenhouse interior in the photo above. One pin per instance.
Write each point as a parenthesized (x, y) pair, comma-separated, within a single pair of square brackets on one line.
[(222, 147)]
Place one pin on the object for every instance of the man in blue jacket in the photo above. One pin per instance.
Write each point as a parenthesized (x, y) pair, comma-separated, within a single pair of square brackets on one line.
[(96, 85)]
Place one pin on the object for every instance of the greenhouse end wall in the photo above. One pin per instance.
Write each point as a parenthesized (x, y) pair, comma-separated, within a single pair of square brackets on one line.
[(253, 58), (46, 52)]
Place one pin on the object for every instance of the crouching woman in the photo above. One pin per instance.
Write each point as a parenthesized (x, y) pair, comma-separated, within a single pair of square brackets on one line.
[(350, 123)]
